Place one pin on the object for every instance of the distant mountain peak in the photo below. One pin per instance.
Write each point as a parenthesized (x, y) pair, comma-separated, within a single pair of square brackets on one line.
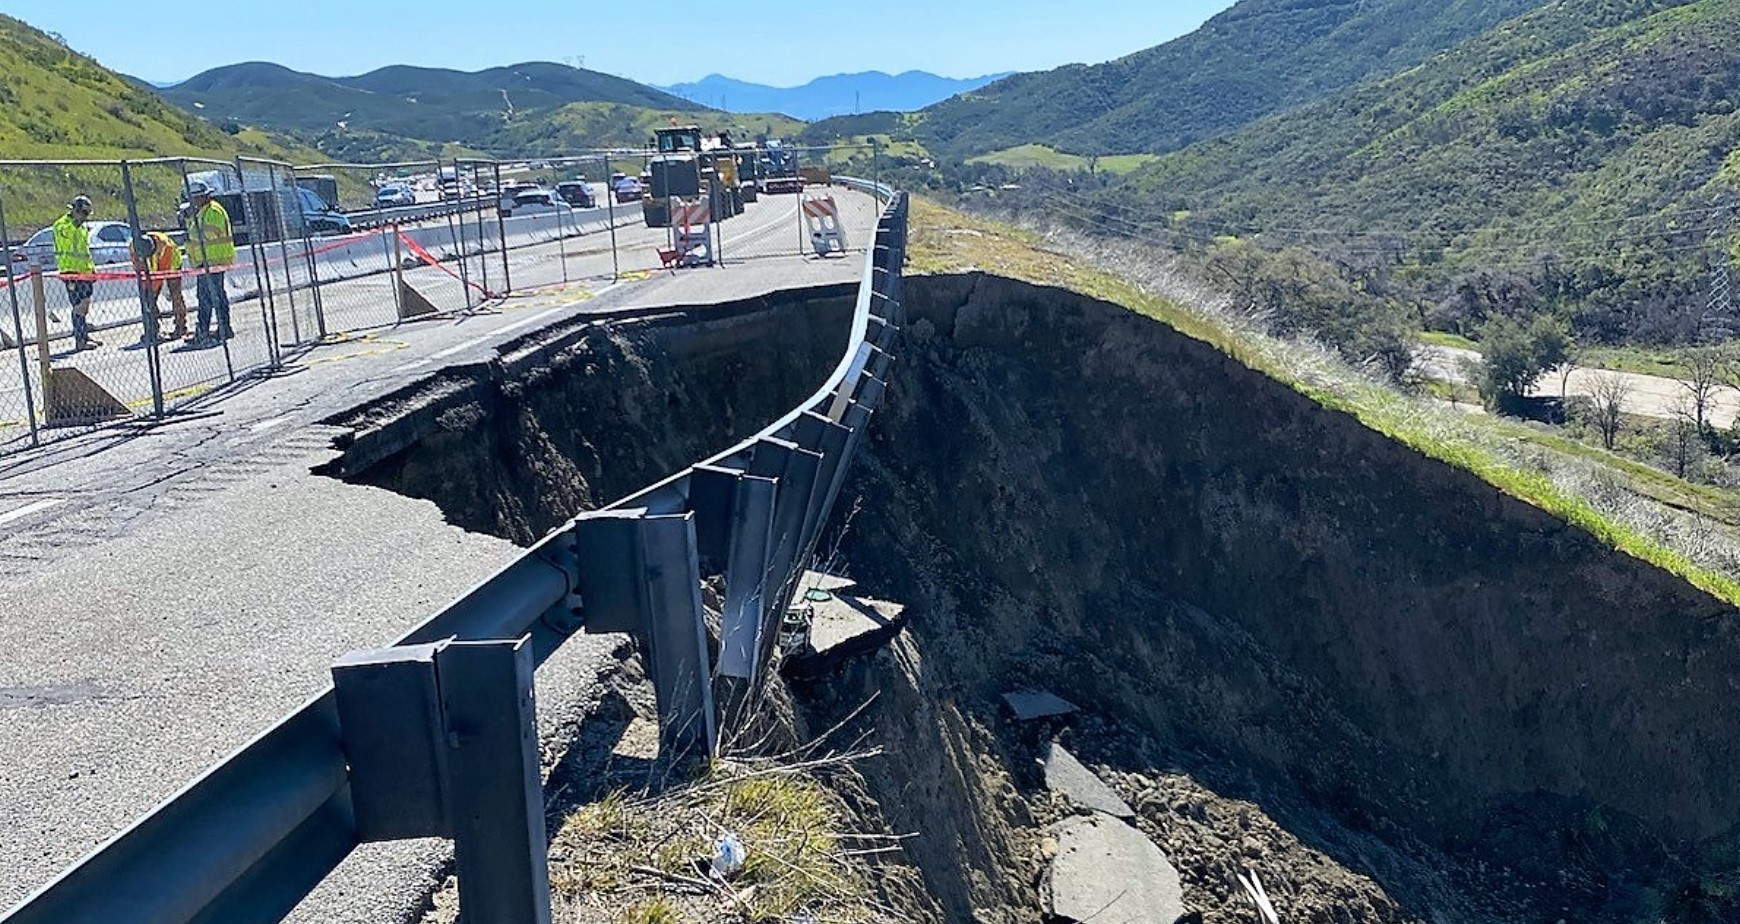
[(835, 94)]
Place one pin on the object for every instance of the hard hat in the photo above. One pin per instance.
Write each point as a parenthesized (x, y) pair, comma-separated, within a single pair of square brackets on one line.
[(197, 188), (145, 245), (80, 204)]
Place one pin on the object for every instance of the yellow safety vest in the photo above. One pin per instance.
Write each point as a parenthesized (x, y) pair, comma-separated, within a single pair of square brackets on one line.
[(72, 247), (210, 241)]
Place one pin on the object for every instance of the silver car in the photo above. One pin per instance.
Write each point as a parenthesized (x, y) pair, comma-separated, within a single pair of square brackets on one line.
[(109, 244)]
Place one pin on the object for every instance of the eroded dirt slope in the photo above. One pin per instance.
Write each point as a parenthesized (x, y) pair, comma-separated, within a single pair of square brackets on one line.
[(1440, 686)]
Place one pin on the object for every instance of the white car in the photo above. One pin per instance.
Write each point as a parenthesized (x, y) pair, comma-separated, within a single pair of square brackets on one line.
[(394, 195), (534, 202), (109, 244)]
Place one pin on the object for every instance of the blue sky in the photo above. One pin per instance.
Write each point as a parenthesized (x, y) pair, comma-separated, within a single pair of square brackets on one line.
[(343, 37)]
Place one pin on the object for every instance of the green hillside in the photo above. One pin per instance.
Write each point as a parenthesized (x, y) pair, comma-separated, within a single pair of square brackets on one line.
[(1571, 158), (57, 103), (410, 112), (582, 126), (1257, 58)]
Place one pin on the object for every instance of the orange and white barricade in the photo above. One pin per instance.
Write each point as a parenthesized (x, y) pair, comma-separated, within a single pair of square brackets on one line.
[(691, 231), (822, 216)]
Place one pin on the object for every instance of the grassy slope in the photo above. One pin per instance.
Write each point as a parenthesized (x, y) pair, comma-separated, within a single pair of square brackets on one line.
[(1259, 57), (58, 104), (946, 241), (1540, 135), (1038, 155)]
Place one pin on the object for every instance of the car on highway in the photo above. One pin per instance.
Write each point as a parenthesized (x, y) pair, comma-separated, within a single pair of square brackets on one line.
[(109, 241), (394, 196), (534, 201), (577, 193), (510, 189), (627, 189)]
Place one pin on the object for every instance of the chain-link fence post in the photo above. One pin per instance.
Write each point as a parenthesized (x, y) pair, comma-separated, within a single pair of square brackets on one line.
[(455, 223), (727, 207), (797, 166), (875, 162), (258, 216), (18, 324), (610, 218), (281, 176), (507, 280), (148, 334)]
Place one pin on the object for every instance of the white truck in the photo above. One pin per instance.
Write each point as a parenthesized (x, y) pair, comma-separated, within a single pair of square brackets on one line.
[(262, 198)]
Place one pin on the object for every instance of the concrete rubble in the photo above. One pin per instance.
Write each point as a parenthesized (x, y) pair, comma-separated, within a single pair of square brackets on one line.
[(1066, 776), (1109, 873)]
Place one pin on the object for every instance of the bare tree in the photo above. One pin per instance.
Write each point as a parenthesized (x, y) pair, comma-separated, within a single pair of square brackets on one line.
[(1706, 369), (1609, 391), (1683, 444)]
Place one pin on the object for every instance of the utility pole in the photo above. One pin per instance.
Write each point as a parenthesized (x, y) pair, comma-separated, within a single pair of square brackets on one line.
[(1718, 322)]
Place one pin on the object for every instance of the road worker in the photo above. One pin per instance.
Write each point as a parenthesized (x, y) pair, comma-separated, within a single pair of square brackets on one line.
[(211, 250), (78, 271), (155, 254)]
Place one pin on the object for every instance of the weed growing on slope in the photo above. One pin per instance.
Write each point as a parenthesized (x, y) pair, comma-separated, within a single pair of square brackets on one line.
[(652, 853)]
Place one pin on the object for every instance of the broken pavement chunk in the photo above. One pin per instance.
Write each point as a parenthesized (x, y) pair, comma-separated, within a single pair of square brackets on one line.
[(1106, 871), (1069, 777), (1037, 704)]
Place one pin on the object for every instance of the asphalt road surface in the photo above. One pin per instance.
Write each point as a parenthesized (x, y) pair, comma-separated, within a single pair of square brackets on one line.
[(169, 591), (545, 250)]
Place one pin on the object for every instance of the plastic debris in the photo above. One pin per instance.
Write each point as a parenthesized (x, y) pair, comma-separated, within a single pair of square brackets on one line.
[(728, 856)]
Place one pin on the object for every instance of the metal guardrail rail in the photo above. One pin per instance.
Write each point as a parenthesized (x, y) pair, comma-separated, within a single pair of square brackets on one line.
[(250, 838)]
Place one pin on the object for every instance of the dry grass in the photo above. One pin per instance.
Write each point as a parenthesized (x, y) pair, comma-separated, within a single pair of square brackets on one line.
[(1689, 530), (645, 859)]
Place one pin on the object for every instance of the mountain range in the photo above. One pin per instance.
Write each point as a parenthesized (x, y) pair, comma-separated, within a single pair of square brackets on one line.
[(839, 94), (430, 104), (1256, 58), (1574, 158)]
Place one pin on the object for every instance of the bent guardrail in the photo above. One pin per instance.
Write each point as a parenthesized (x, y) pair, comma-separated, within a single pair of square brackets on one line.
[(433, 737)]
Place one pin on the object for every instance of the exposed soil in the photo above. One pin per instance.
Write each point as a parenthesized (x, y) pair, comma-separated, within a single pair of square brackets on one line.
[(1300, 649), (1483, 710), (571, 421)]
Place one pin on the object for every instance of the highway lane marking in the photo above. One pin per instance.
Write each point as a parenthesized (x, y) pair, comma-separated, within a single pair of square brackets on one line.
[(265, 425), (481, 339), (27, 510)]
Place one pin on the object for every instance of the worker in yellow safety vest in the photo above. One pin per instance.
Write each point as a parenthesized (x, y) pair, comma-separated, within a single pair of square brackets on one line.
[(211, 250), (72, 257), (155, 254)]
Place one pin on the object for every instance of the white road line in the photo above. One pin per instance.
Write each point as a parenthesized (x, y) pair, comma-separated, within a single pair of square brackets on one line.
[(265, 425), (509, 328), (27, 510)]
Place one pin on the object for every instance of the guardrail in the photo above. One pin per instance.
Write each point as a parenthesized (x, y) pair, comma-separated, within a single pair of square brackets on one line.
[(434, 737)]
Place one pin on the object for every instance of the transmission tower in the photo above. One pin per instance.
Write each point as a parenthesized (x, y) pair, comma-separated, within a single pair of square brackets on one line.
[(1719, 323)]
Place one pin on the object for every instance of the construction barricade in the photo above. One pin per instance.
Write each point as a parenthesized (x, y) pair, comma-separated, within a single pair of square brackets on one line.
[(821, 215)]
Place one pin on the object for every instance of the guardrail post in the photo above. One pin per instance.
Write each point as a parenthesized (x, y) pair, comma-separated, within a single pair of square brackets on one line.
[(640, 573), (498, 812), (442, 741)]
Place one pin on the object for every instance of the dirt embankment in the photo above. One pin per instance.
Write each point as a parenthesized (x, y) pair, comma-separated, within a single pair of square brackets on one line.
[(1421, 678), (1299, 647), (570, 421)]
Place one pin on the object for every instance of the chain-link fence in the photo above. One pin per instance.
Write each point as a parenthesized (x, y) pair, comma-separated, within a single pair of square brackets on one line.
[(148, 297)]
